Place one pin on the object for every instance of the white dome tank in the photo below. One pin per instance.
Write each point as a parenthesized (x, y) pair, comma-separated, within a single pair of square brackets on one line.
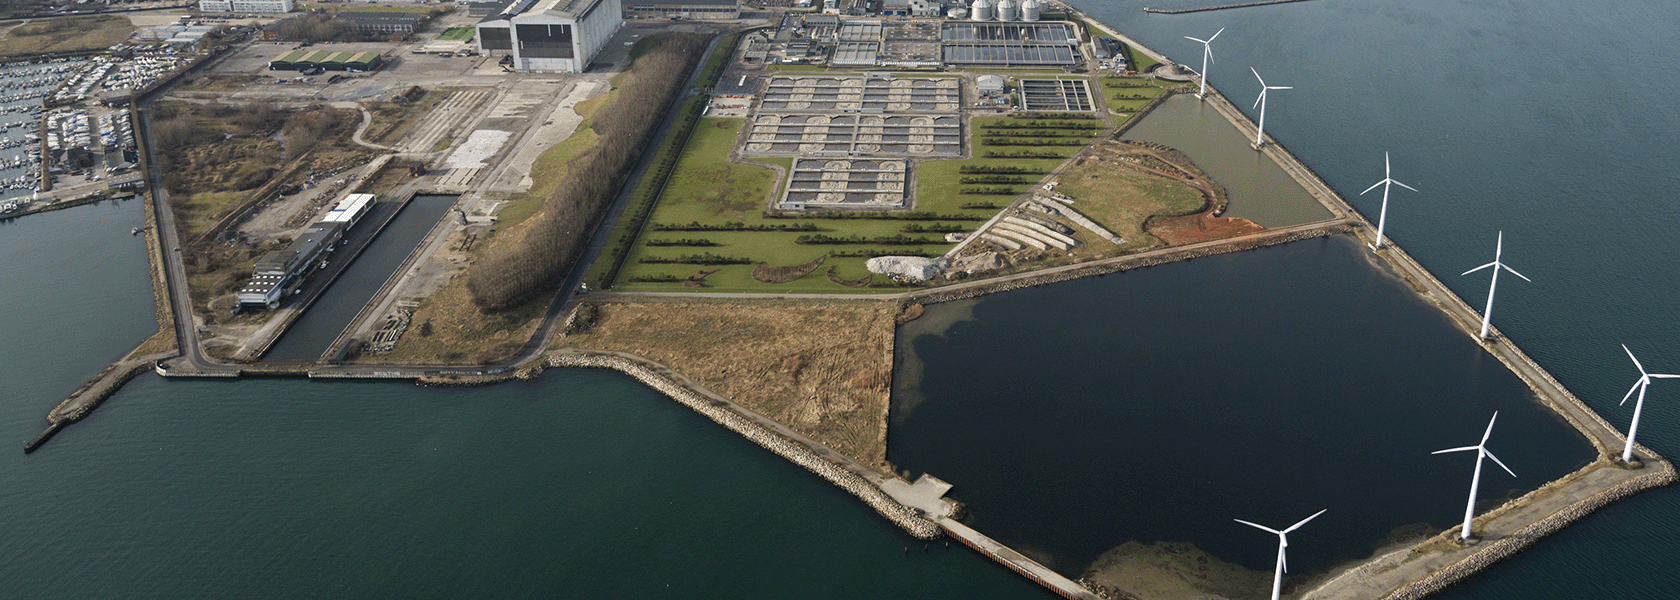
[(957, 12), (1030, 9), (982, 10), (1007, 10)]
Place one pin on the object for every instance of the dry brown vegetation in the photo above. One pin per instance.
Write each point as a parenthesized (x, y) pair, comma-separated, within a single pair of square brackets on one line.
[(217, 158), (822, 369), (516, 273), (65, 34)]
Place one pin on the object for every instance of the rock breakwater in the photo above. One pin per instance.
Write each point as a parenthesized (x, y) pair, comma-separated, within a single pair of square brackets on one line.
[(728, 415)]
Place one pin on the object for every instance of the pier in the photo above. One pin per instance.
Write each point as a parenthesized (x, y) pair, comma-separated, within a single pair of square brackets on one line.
[(1180, 11)]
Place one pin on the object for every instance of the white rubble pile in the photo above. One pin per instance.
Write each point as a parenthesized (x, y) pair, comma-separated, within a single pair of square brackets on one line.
[(906, 268)]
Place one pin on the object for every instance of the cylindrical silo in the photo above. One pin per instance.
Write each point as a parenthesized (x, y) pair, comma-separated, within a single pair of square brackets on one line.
[(1008, 10), (1030, 10), (982, 10)]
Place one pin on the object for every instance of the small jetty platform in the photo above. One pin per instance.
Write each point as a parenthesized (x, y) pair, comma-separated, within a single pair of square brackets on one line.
[(1179, 11)]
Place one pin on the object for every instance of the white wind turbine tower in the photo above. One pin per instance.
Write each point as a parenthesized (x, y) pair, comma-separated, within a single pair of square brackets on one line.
[(1644, 382), (1207, 57), (1476, 479), (1487, 314), (1283, 542), (1261, 102), (1382, 217)]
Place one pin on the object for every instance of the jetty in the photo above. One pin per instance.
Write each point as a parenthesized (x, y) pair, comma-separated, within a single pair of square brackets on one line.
[(1179, 11)]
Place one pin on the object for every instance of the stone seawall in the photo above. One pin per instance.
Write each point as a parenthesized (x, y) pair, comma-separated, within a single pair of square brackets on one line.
[(1105, 267), (1500, 549), (726, 415)]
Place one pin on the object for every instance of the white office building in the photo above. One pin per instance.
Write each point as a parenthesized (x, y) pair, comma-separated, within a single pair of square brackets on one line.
[(245, 6)]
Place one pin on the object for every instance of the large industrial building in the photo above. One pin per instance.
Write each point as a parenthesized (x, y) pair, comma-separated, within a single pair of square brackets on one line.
[(550, 36), (280, 270), (684, 9), (245, 6)]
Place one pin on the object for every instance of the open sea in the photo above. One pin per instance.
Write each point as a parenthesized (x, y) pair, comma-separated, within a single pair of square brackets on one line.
[(1550, 120)]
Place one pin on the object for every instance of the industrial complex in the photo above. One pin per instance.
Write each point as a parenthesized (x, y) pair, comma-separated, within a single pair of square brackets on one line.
[(550, 36), (280, 270)]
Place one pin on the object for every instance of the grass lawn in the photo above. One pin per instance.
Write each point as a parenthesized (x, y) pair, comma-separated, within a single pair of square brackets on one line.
[(1121, 200), (1135, 93), (457, 33), (66, 34)]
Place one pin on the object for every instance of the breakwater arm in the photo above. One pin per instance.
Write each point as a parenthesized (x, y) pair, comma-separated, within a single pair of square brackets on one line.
[(1180, 11)]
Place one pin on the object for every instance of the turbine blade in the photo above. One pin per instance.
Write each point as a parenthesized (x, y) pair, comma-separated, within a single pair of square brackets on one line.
[(1216, 34), (1257, 76), (1478, 269), (1514, 272), (1304, 521), (1280, 87), (1283, 555), (1635, 388), (1489, 431), (1499, 246), (1258, 525), (1635, 360), (1262, 98), (1404, 185), (1385, 164), (1191, 38), (1373, 186), (1207, 52), (1455, 449), (1664, 376), (1496, 461)]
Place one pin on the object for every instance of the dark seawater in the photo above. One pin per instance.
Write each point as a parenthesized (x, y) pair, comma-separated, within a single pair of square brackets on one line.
[(1551, 120), (584, 484), (310, 335), (1263, 385)]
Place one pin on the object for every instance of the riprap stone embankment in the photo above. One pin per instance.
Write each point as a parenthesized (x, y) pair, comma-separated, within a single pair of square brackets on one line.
[(730, 416)]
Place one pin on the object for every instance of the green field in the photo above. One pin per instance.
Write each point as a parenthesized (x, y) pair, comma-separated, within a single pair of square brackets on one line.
[(707, 188), (457, 33), (1129, 94)]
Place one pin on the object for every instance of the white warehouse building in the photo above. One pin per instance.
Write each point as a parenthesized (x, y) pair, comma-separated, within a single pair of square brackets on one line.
[(550, 36), (245, 6)]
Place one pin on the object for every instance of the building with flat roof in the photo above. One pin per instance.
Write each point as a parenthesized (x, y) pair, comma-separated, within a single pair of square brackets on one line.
[(684, 9), (245, 6), (389, 23), (550, 36)]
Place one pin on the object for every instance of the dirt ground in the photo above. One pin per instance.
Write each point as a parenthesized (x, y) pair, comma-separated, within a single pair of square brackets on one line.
[(822, 368), (1199, 227)]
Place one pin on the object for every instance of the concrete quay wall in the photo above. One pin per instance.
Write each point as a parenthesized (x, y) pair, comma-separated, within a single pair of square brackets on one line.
[(727, 415)]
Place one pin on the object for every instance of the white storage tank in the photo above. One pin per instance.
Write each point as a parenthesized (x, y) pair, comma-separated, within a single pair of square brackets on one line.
[(1030, 9), (957, 12), (1007, 10), (982, 10)]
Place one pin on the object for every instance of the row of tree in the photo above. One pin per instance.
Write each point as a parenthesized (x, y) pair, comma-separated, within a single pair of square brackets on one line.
[(540, 261)]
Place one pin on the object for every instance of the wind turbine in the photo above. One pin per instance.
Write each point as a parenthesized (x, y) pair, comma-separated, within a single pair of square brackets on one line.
[(1207, 57), (1283, 542), (1487, 314), (1476, 479), (1644, 382), (1261, 102), (1382, 216)]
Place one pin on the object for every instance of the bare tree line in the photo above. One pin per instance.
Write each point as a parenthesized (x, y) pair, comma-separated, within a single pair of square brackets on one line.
[(538, 262)]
